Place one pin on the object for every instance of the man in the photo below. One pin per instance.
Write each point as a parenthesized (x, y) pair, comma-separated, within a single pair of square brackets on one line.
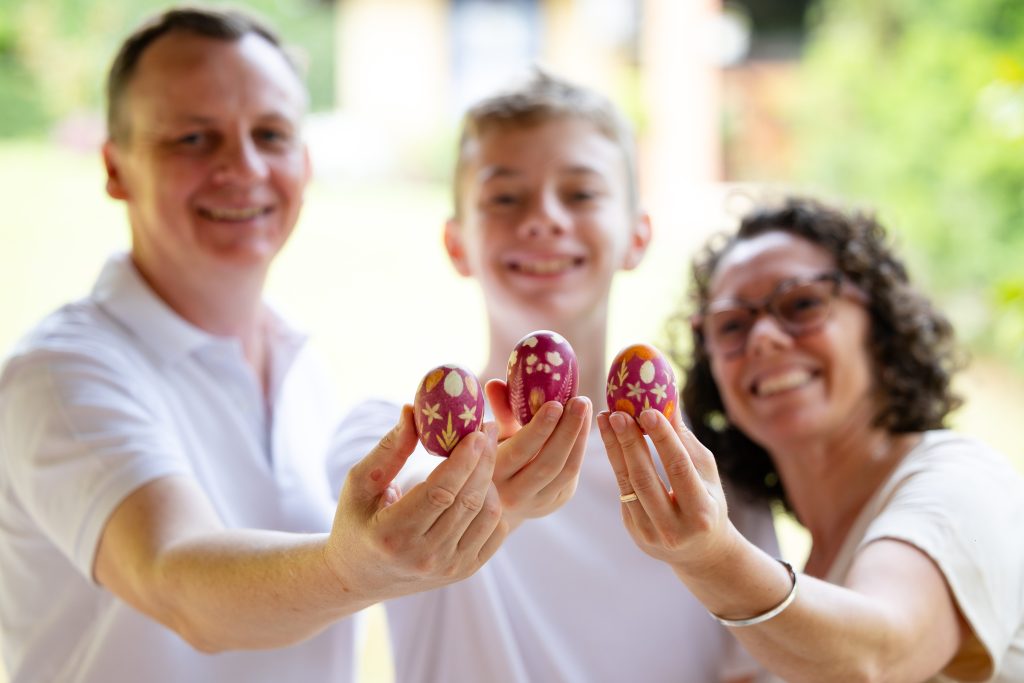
[(546, 213), (163, 494)]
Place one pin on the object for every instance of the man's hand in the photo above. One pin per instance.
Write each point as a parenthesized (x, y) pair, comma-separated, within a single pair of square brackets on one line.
[(385, 544)]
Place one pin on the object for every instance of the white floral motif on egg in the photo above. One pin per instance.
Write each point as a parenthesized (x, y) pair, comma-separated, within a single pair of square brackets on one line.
[(554, 358), (453, 384), (647, 372), (513, 358), (531, 342)]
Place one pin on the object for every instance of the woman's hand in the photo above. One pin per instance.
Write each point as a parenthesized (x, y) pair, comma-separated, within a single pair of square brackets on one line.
[(687, 523)]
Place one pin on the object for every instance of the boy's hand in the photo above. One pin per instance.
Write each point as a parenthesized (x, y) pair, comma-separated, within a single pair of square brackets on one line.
[(538, 464)]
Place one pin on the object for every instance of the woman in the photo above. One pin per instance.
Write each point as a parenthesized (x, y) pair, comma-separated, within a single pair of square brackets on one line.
[(820, 378)]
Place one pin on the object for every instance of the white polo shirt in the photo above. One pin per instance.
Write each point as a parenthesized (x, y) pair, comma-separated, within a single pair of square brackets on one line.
[(105, 395), (568, 598)]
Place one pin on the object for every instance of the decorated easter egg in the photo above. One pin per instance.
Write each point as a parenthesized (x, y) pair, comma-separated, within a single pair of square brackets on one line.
[(541, 368), (449, 405), (640, 378)]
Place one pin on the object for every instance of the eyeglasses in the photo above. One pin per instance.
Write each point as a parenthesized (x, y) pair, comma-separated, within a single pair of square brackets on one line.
[(800, 306)]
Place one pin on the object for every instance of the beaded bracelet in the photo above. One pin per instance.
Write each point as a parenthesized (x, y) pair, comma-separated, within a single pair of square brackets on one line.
[(773, 612)]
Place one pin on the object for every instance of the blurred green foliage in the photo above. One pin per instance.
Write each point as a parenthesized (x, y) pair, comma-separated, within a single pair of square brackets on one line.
[(916, 107), (54, 54)]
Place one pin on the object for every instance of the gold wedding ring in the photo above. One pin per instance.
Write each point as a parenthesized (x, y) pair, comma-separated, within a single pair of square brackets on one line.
[(628, 497)]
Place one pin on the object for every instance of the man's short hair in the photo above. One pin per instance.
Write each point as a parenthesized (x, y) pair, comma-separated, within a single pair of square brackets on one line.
[(541, 98), (229, 25)]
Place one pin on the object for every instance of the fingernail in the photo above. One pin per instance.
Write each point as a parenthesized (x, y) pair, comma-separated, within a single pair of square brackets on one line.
[(617, 421), (552, 411), (648, 420), (579, 406)]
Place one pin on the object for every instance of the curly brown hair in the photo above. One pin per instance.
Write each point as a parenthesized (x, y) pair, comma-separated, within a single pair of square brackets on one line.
[(914, 355)]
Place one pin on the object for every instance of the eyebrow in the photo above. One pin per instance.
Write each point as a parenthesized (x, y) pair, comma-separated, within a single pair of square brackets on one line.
[(497, 172)]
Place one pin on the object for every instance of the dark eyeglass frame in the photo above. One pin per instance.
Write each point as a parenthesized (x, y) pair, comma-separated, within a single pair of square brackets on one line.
[(841, 287)]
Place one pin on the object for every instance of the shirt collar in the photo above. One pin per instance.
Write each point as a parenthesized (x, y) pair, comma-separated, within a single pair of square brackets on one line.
[(124, 294)]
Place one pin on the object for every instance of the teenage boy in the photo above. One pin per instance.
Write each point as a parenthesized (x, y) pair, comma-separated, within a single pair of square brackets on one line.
[(546, 213)]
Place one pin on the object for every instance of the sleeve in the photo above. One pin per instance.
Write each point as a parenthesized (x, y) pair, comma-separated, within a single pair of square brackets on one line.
[(76, 437), (359, 433), (958, 508)]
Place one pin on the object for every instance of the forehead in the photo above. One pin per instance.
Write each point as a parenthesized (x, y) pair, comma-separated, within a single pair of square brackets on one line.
[(755, 266), (184, 71), (567, 145)]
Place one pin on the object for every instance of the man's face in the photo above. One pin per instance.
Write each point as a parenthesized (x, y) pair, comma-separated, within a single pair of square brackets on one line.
[(213, 166), (545, 219)]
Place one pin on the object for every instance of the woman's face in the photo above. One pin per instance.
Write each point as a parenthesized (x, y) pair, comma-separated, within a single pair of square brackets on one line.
[(786, 383)]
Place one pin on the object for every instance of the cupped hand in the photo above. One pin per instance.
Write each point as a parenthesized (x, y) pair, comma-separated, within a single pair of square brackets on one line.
[(538, 465), (687, 522), (385, 543)]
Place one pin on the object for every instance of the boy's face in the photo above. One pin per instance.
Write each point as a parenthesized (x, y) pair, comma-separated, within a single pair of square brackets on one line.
[(545, 219)]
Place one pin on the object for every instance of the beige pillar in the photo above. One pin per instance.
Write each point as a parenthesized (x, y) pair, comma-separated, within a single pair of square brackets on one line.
[(682, 146)]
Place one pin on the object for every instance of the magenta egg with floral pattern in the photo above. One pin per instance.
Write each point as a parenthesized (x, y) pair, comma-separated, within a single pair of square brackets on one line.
[(541, 368), (449, 404), (641, 377)]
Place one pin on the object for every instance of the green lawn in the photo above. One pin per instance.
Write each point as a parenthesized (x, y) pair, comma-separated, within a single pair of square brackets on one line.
[(365, 271)]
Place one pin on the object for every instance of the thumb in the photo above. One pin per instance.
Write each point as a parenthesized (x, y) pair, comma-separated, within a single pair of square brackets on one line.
[(372, 476), (497, 396)]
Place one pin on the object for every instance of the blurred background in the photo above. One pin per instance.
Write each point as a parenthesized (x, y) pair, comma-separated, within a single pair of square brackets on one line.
[(913, 108)]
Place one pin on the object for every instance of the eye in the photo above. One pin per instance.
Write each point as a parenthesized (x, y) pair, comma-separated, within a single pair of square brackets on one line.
[(192, 140), (272, 137), (805, 303), (728, 323), (503, 199)]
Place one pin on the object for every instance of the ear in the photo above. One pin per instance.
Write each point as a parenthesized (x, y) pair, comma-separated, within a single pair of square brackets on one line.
[(453, 244), (112, 164), (639, 239), (307, 163)]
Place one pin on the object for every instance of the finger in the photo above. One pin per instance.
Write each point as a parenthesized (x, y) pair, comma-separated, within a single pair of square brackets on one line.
[(569, 443), (515, 452), (472, 498), (683, 477), (481, 528), (371, 477), (497, 397), (420, 508), (642, 479), (702, 458), (614, 452)]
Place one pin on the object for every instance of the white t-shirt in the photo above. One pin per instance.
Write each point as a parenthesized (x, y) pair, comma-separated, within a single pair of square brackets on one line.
[(105, 395), (961, 504), (569, 597)]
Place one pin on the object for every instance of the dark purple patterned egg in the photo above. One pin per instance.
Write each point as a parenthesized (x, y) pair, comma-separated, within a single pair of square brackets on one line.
[(640, 378), (449, 405), (542, 367)]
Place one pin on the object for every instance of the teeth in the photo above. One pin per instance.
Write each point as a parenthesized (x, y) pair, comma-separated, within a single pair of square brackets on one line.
[(546, 266), (235, 214), (783, 382)]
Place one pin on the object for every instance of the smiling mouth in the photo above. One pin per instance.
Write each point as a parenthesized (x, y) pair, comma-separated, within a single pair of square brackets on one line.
[(787, 381), (235, 215), (552, 266)]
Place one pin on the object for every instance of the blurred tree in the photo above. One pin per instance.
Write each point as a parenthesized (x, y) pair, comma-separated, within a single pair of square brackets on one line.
[(916, 107), (54, 53)]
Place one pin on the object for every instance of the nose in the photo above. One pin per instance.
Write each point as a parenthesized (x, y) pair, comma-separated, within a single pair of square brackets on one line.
[(240, 160), (547, 218), (767, 335)]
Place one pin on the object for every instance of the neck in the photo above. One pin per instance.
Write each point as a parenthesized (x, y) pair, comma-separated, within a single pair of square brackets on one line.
[(231, 307), (830, 481), (586, 336)]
